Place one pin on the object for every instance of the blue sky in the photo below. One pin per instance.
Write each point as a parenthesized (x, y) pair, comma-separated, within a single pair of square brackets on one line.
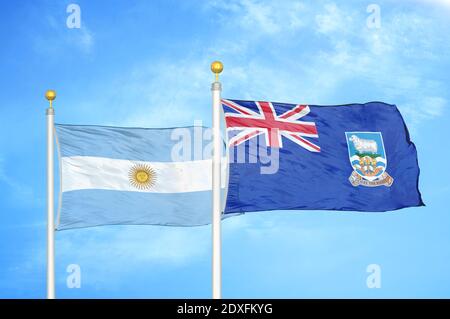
[(146, 63)]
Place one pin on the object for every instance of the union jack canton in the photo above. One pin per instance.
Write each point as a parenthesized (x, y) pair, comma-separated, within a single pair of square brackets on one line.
[(249, 123)]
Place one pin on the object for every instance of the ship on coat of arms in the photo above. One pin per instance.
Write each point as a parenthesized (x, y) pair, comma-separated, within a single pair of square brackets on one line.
[(368, 159)]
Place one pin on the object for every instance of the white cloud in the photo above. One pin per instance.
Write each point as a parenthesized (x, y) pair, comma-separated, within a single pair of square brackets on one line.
[(388, 59), (107, 254), (344, 52), (424, 108), (170, 94), (59, 38), (20, 192), (84, 39), (434, 106), (332, 20), (442, 3), (261, 17), (140, 244)]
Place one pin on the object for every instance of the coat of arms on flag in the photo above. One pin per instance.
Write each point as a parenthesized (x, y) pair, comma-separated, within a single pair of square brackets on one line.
[(368, 159)]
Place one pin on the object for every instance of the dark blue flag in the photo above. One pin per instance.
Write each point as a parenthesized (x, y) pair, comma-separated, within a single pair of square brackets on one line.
[(355, 157)]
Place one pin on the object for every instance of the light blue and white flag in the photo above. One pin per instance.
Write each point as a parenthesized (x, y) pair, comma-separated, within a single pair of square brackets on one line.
[(112, 175)]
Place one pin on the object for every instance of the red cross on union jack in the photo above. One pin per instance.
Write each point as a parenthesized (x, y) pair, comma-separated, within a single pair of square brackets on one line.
[(273, 126)]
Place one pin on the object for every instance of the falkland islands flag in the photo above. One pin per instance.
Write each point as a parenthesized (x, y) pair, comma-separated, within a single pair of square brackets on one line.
[(355, 157), (112, 175)]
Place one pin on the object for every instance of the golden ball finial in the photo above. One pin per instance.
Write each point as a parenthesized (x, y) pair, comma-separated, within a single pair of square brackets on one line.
[(216, 67), (50, 95)]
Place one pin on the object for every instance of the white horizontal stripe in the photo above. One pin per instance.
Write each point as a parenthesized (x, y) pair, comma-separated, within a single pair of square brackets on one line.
[(87, 172)]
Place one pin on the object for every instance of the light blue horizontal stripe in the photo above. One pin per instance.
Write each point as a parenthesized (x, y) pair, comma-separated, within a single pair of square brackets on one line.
[(139, 144), (86, 208)]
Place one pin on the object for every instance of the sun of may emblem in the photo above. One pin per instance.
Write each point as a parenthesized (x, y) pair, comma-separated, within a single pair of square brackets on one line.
[(142, 176)]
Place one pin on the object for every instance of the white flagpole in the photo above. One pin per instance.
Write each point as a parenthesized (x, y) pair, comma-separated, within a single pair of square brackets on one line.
[(50, 95), (216, 88)]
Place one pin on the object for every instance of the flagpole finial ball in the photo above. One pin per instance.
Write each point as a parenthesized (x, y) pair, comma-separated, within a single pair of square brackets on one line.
[(50, 95), (216, 67)]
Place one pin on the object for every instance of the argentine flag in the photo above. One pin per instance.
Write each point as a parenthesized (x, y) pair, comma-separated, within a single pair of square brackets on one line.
[(112, 175)]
